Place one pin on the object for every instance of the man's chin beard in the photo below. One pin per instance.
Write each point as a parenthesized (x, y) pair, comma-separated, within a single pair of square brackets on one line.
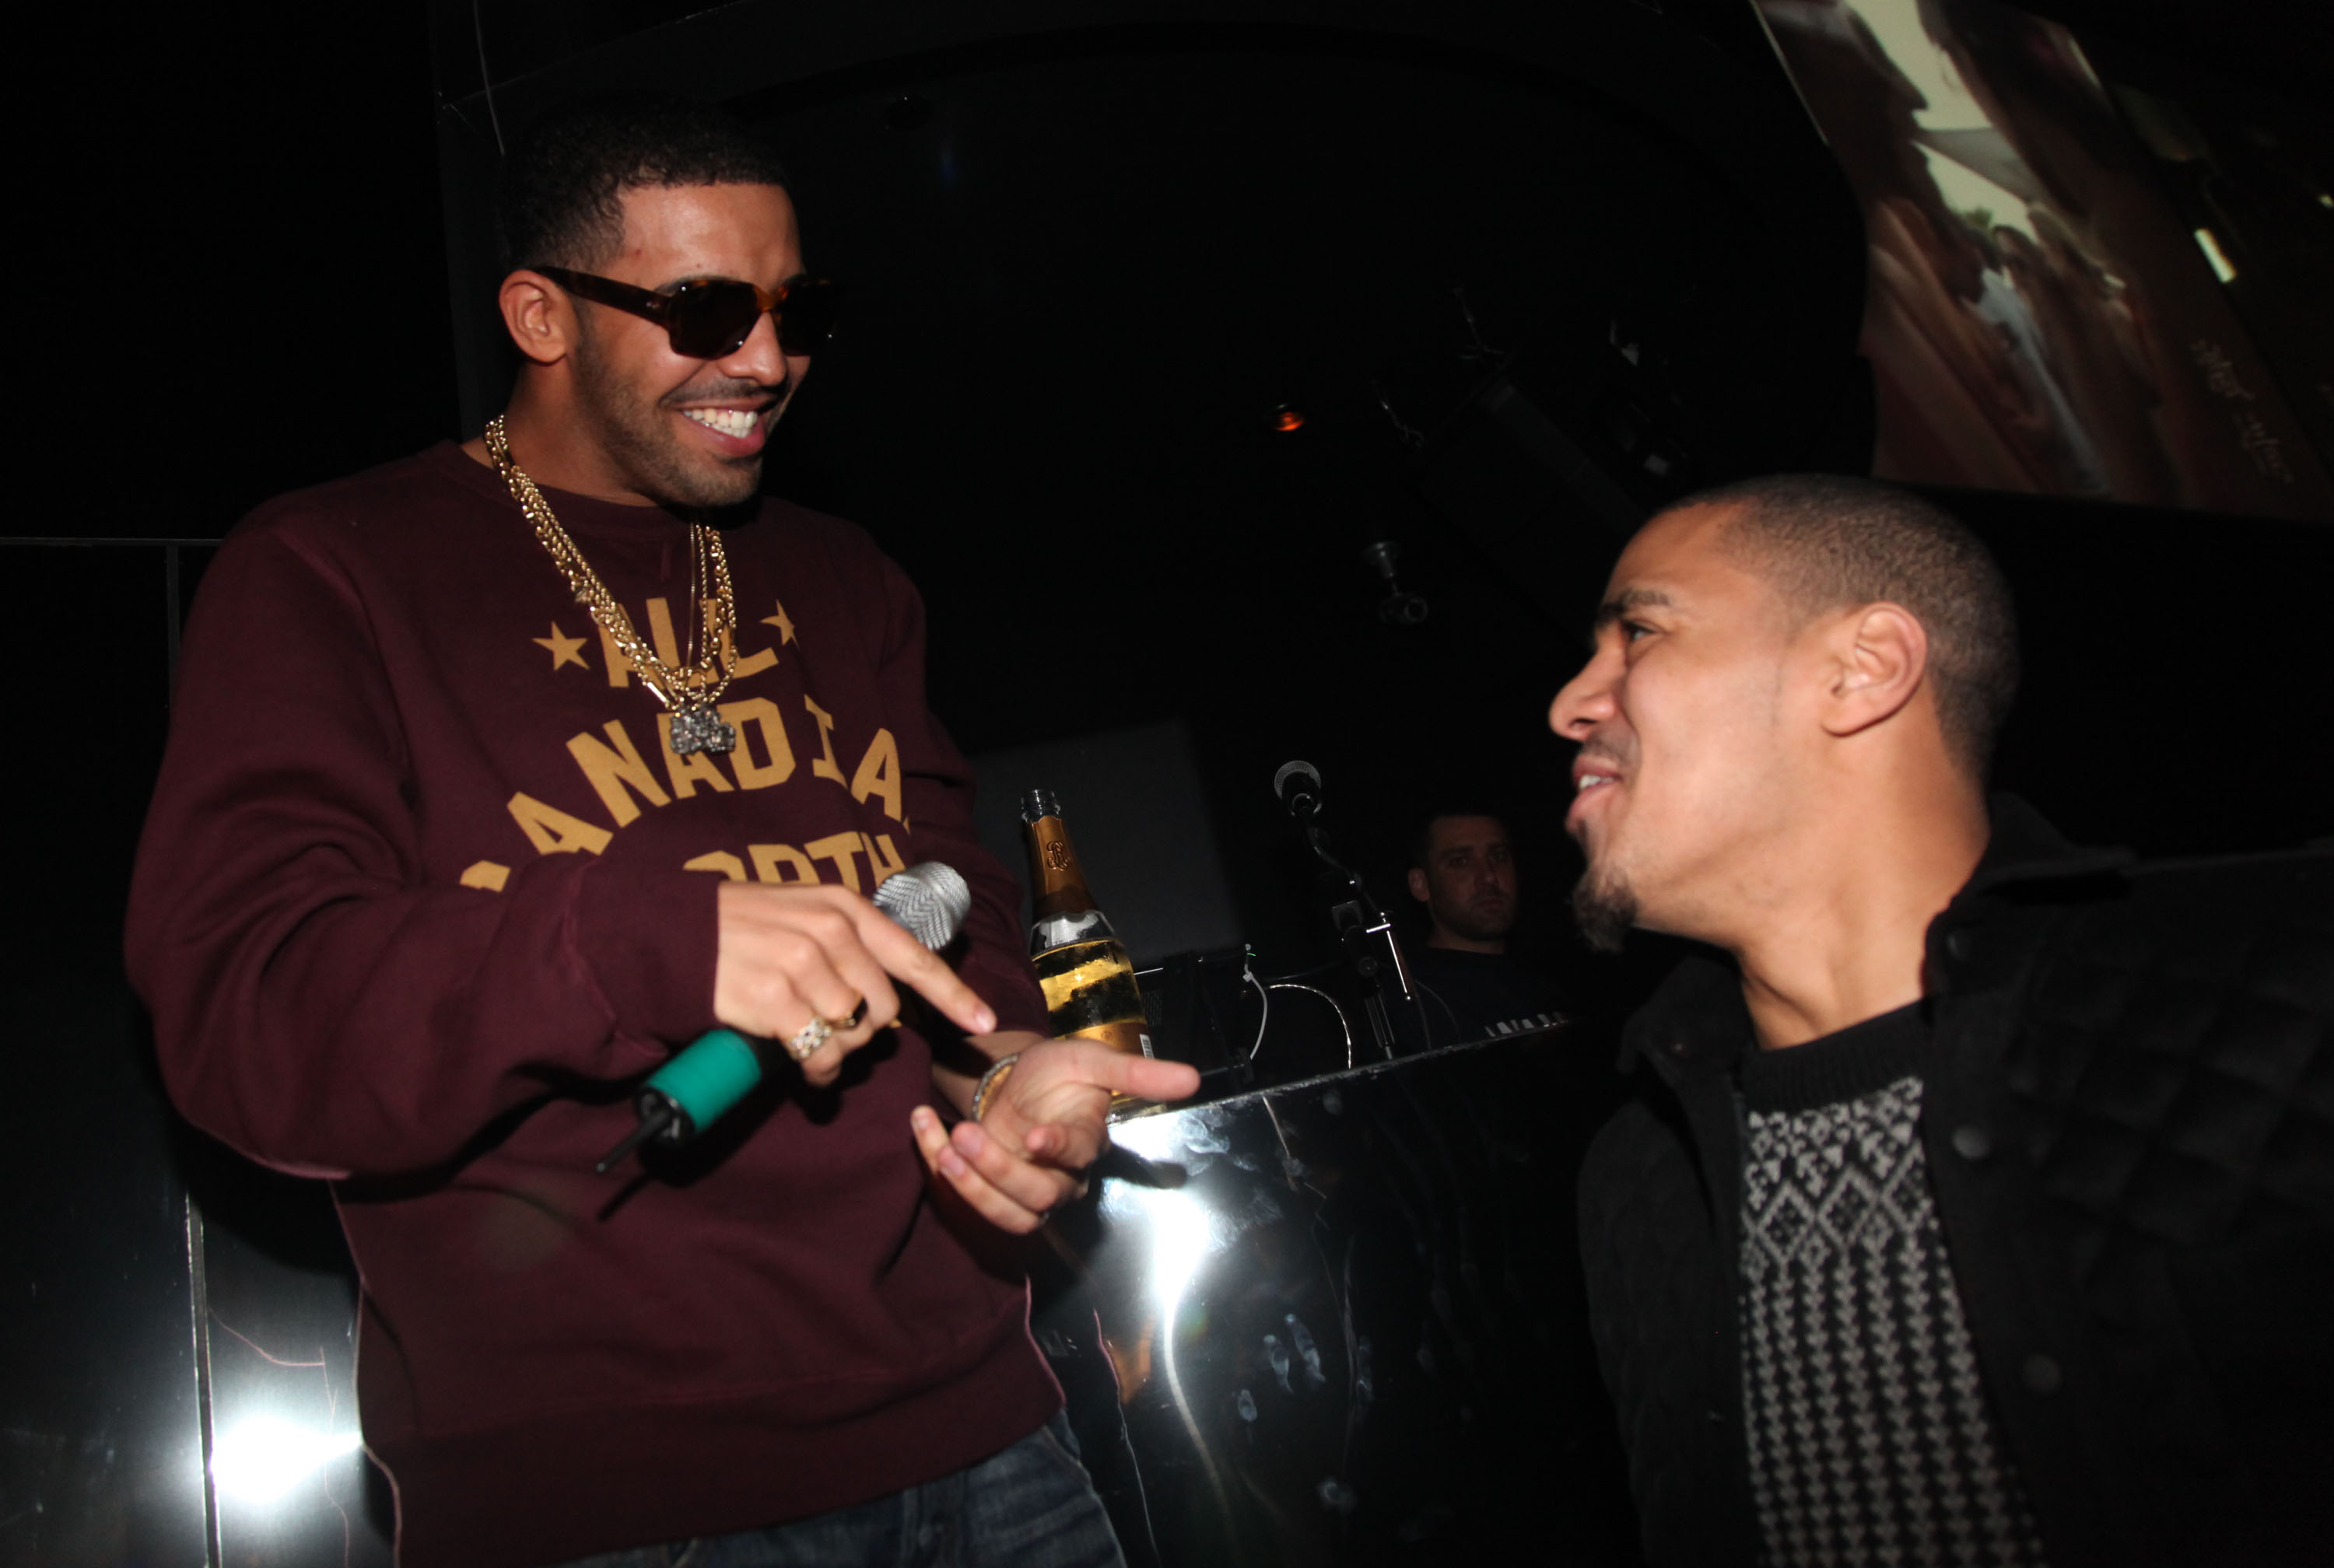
[(1469, 927), (664, 474), (1606, 907), (636, 436), (708, 505)]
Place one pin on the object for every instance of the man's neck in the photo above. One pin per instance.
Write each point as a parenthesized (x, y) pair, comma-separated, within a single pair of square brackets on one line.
[(542, 441), (1451, 940), (1844, 937)]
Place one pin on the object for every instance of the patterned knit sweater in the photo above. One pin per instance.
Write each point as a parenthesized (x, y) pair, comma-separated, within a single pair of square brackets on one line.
[(1870, 1436)]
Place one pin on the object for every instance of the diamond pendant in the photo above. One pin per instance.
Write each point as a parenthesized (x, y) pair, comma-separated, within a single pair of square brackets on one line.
[(695, 729)]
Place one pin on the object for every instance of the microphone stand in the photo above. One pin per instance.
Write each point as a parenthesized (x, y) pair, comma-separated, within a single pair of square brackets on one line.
[(1365, 938)]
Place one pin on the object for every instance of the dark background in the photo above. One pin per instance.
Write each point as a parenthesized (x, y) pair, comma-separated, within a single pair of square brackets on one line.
[(1088, 263)]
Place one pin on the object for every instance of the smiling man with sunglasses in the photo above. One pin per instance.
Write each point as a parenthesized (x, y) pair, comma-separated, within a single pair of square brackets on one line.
[(498, 774), (648, 377), (661, 385)]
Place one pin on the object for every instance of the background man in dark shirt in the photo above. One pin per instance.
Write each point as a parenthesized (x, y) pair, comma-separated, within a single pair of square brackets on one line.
[(1463, 872)]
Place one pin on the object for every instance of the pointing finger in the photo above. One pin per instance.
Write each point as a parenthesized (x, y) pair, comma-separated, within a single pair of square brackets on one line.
[(910, 961), (1144, 1077)]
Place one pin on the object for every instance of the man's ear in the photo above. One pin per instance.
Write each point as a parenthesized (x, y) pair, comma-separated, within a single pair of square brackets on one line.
[(1418, 884), (1880, 660), (540, 319)]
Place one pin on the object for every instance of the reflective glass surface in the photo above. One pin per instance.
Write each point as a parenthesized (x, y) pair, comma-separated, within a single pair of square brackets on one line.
[(1342, 1322)]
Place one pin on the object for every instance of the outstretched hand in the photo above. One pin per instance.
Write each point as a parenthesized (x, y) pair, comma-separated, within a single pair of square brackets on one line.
[(1045, 1124)]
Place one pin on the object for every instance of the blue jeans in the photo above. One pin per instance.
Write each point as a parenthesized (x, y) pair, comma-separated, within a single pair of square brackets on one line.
[(1030, 1506)]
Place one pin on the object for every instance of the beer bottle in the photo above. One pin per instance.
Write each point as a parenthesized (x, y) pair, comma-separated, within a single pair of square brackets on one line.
[(1089, 979)]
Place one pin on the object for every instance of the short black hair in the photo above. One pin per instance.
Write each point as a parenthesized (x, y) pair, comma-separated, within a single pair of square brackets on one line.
[(560, 199), (1422, 832), (1830, 542)]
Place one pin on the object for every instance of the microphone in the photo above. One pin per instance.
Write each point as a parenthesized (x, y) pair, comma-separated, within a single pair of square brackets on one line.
[(1297, 785), (721, 1066)]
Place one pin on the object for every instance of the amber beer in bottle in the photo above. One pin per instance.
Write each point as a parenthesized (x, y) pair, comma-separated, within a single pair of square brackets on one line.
[(1089, 979)]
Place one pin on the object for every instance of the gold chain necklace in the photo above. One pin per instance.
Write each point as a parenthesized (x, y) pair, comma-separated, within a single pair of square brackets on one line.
[(690, 691)]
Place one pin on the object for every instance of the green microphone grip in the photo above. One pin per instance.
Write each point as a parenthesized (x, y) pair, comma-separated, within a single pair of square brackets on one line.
[(703, 1082), (719, 1068)]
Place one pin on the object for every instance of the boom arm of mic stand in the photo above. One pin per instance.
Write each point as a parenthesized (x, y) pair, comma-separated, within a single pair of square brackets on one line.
[(1377, 923), (1358, 919), (1318, 841)]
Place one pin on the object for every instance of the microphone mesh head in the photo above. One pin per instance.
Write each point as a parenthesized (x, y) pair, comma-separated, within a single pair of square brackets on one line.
[(1297, 772), (930, 900)]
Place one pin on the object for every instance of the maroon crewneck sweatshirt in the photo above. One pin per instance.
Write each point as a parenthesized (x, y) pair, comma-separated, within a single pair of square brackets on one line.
[(423, 889)]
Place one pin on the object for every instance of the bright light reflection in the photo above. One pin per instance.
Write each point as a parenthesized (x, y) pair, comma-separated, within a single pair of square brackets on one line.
[(265, 1456), (1183, 1230), (2210, 244), (1156, 1137), (1182, 1234)]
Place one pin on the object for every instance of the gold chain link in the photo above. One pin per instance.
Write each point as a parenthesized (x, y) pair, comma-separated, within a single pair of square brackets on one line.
[(685, 689)]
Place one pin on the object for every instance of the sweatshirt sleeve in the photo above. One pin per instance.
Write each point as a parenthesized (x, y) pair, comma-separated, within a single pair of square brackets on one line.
[(938, 797), (319, 1003)]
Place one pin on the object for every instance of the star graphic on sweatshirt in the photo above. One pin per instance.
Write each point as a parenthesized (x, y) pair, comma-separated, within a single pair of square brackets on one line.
[(564, 649), (785, 628)]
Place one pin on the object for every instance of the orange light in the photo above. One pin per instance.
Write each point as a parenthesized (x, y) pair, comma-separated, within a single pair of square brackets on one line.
[(1286, 418)]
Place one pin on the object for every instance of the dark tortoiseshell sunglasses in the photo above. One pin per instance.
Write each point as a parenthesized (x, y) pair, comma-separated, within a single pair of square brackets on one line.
[(711, 318)]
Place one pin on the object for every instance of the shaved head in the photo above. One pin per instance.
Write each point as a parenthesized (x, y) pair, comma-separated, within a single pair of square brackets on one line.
[(1829, 543)]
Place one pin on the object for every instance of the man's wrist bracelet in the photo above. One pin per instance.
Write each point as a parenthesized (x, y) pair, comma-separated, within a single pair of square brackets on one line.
[(998, 1070)]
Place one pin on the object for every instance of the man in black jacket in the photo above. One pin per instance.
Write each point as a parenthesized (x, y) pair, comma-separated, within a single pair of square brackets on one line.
[(1981, 1208)]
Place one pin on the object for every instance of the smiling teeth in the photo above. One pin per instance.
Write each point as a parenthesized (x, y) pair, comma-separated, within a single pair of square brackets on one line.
[(1589, 781), (729, 421)]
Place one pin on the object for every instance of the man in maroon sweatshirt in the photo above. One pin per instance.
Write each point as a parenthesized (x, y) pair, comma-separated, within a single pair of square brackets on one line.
[(438, 869)]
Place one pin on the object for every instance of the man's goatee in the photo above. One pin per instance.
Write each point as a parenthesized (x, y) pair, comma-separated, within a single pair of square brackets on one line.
[(1605, 910)]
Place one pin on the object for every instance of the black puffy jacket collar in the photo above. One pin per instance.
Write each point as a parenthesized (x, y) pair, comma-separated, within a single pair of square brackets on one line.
[(1695, 1023), (2025, 848)]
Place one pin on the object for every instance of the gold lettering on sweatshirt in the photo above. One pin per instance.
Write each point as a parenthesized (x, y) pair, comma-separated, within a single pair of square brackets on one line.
[(753, 663), (781, 863), (611, 658), (838, 849), (824, 767), (626, 782), (661, 637), (552, 831), (759, 714), (878, 774), (610, 771)]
